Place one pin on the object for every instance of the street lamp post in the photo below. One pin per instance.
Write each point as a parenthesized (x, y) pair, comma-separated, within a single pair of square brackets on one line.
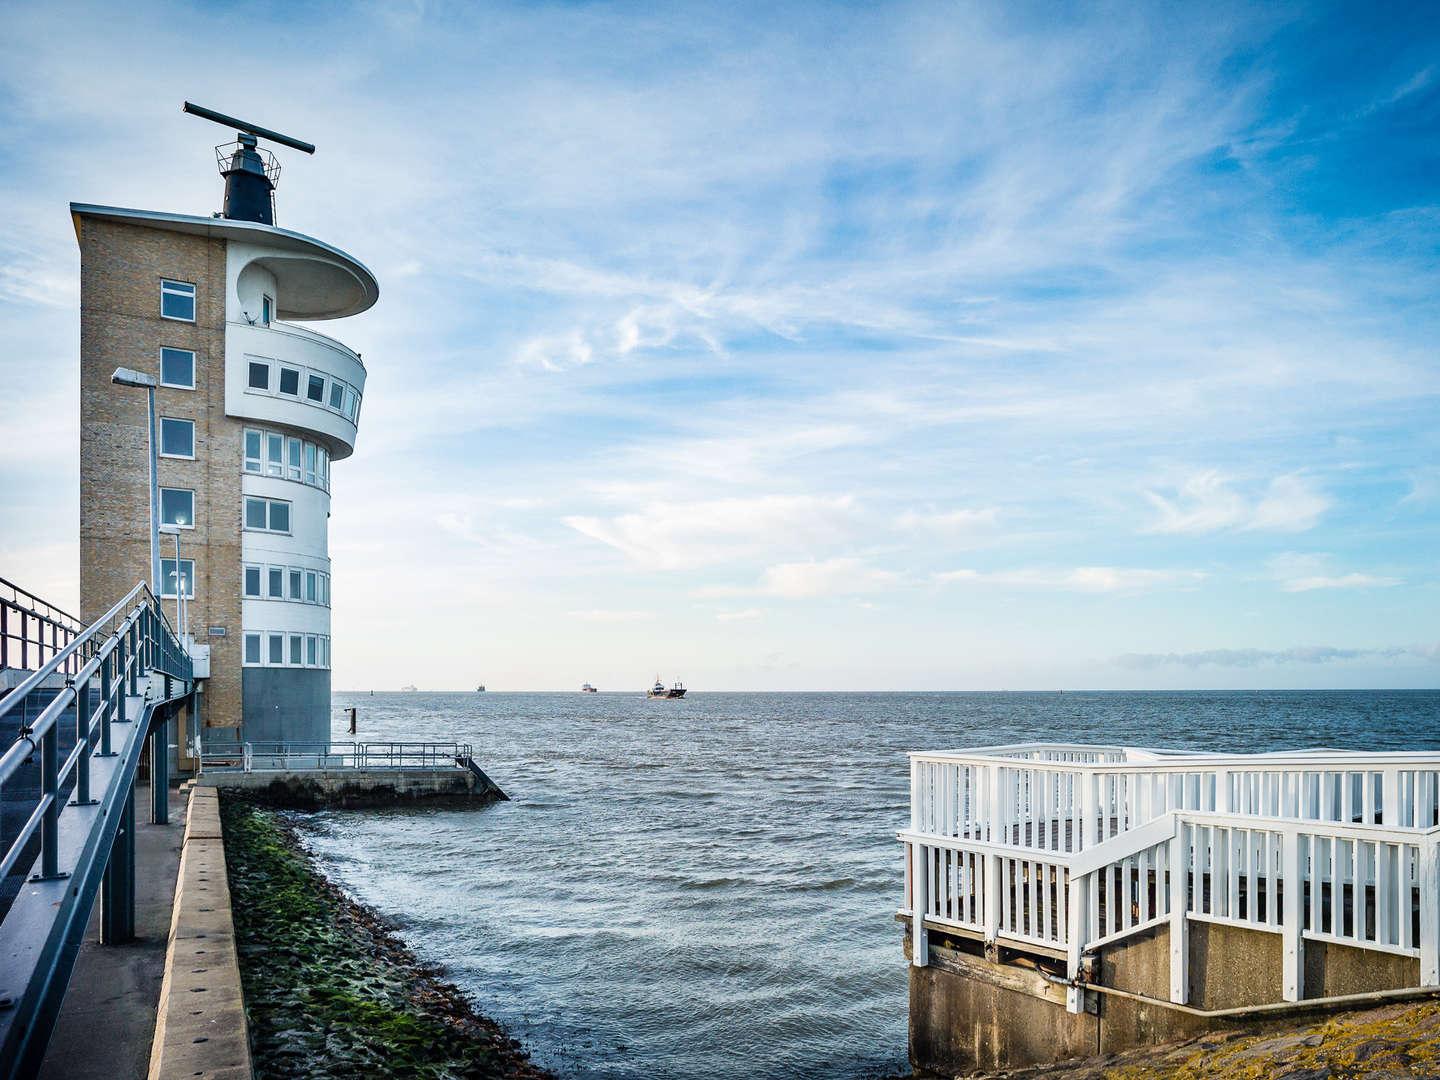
[(180, 612), (131, 377)]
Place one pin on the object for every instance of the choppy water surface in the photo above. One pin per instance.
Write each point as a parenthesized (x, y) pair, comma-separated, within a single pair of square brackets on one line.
[(706, 888)]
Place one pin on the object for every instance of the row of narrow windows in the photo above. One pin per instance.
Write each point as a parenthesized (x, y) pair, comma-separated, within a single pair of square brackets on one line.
[(291, 583), (264, 376), (285, 649), (269, 453)]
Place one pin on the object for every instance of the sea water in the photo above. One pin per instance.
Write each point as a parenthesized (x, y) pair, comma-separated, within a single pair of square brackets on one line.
[(706, 888)]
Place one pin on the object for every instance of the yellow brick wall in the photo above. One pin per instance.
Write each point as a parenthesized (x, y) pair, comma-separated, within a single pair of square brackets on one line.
[(121, 266)]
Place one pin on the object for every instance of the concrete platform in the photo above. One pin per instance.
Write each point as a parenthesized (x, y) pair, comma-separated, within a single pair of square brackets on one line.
[(312, 789), (107, 1022)]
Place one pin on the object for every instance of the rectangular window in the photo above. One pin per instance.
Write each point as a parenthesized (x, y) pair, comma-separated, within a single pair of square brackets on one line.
[(256, 513), (322, 468), (337, 395), (277, 648), (294, 584), (277, 582), (252, 648), (325, 651), (177, 438), (310, 593), (350, 404), (177, 368), (177, 300), (267, 515), (315, 388), (324, 588), (309, 463), (290, 381), (295, 459), (177, 507), (187, 577), (252, 581), (312, 656), (296, 641), (275, 455), (267, 308), (253, 441), (259, 375)]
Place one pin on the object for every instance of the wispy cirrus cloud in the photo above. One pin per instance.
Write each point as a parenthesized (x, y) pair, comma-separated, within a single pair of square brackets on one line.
[(1207, 502), (1093, 579), (843, 576), (1299, 654), (1305, 572)]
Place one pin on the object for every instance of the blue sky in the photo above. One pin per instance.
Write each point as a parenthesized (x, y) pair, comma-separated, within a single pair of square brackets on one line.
[(941, 346)]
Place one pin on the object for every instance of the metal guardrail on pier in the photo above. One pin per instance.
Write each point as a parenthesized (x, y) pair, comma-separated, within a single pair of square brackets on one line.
[(1061, 850), (335, 756), (114, 678)]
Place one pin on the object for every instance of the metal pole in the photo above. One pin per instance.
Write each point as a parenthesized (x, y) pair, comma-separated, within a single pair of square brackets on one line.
[(154, 499), (50, 822), (117, 888), (160, 773), (85, 736)]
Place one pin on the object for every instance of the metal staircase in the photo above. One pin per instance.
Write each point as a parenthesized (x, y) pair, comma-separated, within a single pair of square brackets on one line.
[(78, 704)]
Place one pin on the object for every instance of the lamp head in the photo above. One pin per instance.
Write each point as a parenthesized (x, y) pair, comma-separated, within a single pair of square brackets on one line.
[(125, 376)]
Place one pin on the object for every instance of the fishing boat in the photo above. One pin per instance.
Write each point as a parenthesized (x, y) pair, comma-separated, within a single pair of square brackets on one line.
[(588, 689), (410, 689), (480, 689), (659, 691)]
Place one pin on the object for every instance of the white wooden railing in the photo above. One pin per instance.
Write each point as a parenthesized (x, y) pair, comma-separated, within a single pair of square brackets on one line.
[(1063, 849)]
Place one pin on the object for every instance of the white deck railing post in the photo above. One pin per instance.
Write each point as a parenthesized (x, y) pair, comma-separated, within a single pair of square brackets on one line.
[(1179, 911), (1429, 873), (991, 886), (1078, 921), (1292, 929), (919, 904), (1390, 798)]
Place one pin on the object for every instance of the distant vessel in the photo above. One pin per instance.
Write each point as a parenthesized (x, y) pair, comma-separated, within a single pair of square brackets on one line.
[(480, 689), (588, 689), (659, 691), (412, 689)]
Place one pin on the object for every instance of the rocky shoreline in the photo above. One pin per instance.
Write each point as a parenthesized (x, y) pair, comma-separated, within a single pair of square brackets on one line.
[(330, 991)]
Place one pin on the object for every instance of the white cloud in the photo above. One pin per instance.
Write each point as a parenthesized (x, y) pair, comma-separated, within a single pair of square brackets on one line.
[(808, 580), (1343, 581), (675, 535), (953, 524), (1305, 572), (600, 615), (1093, 579), (1300, 654), (1207, 503), (740, 616)]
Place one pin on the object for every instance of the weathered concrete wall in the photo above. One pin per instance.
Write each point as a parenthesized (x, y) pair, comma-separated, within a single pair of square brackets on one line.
[(351, 788), (968, 1013), (304, 715), (200, 1029)]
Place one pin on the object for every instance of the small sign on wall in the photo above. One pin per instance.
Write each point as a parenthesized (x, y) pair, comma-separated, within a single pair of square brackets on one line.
[(217, 631)]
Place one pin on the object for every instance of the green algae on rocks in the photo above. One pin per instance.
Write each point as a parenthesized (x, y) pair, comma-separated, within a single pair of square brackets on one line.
[(330, 993)]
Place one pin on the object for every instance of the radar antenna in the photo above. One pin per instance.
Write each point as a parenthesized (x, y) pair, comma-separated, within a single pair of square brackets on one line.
[(250, 173)]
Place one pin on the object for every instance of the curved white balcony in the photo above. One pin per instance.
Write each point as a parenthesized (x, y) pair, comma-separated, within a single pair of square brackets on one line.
[(301, 360)]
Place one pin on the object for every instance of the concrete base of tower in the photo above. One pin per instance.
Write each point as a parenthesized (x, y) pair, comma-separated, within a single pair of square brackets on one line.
[(285, 705)]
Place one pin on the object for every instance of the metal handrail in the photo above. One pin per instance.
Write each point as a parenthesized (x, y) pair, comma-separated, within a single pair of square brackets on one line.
[(143, 639), (358, 756), (62, 625)]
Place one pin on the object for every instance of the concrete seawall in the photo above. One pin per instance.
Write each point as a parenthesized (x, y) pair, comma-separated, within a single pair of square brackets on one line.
[(200, 1029), (355, 789)]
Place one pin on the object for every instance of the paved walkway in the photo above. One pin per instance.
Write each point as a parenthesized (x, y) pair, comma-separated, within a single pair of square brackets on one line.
[(108, 1019)]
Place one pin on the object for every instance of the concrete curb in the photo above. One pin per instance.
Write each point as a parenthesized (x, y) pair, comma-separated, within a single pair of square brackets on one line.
[(200, 1028)]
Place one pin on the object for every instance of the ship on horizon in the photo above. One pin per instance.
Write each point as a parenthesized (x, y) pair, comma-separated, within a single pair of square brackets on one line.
[(659, 691), (588, 689)]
